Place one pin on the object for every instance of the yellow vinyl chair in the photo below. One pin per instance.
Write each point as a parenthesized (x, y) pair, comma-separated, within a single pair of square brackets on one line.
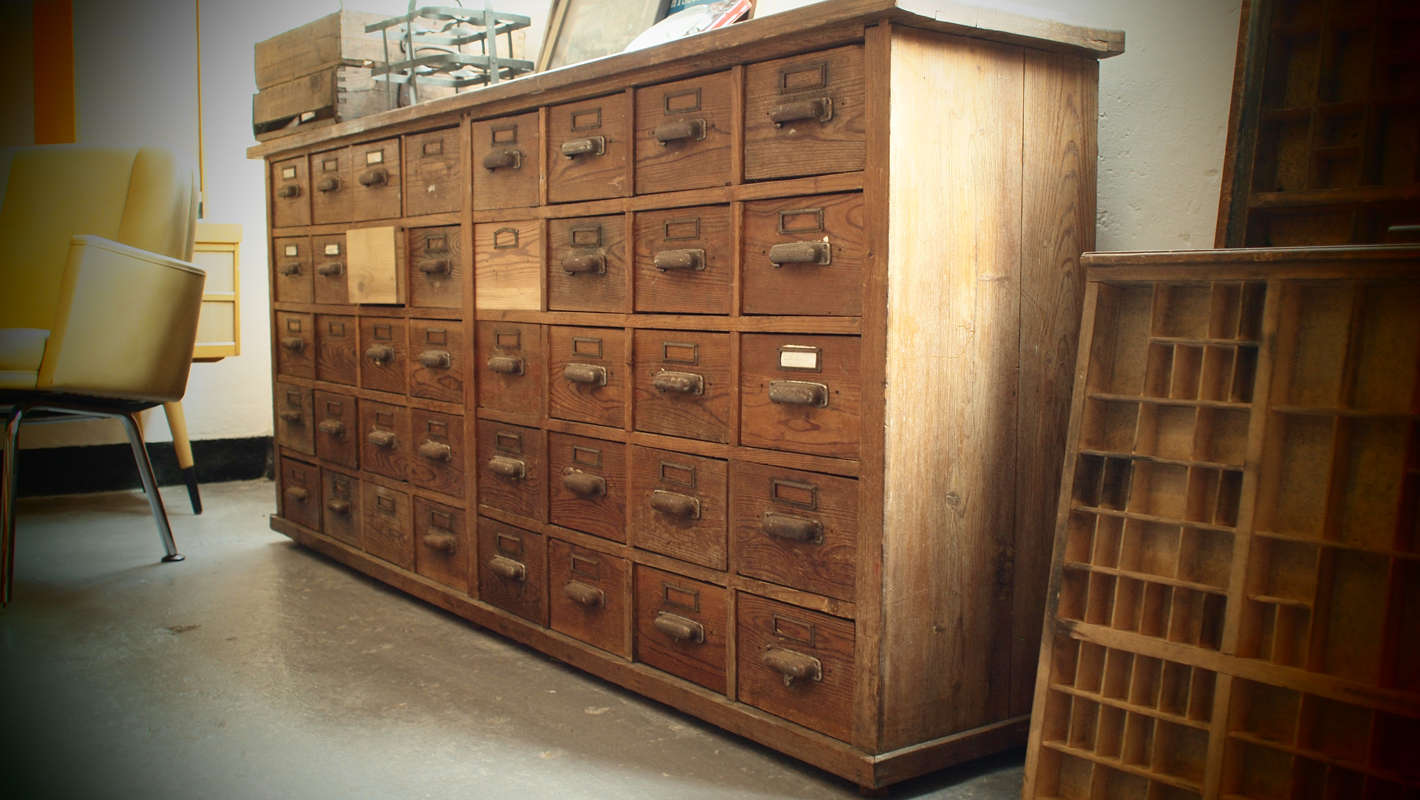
[(98, 303)]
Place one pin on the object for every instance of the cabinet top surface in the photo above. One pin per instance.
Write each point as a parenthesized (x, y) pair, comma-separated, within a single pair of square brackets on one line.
[(754, 40)]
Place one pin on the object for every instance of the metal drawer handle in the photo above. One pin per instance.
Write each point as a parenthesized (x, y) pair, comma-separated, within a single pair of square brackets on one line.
[(290, 415), (682, 382), (590, 146), (332, 427), (442, 542), (584, 484), (436, 451), (795, 529), (297, 493), (506, 365), (681, 129), (585, 373), (793, 666), (693, 260), (582, 265), (507, 569), (330, 268), (503, 157), (798, 393), (328, 185), (375, 177), (801, 253), (379, 353), (294, 343), (289, 190), (673, 504), (341, 507), (582, 594), (820, 109), (436, 359), (383, 439), (435, 266), (290, 268), (509, 468), (679, 628)]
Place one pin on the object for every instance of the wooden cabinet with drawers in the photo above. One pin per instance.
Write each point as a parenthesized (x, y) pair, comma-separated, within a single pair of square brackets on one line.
[(734, 371)]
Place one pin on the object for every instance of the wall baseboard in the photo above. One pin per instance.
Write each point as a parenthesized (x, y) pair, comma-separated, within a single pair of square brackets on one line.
[(110, 467)]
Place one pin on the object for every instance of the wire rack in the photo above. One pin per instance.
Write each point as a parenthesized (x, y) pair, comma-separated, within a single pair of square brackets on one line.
[(433, 39)]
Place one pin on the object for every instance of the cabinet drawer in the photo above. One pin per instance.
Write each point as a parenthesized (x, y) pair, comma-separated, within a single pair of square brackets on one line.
[(587, 481), (377, 180), (341, 508), (337, 434), (793, 528), (432, 169), (331, 202), (337, 344), (796, 664), (587, 596), (677, 506), (804, 255), (683, 135), (586, 264), (436, 369), (587, 148), (505, 168), (436, 267), (441, 544), (290, 193), (681, 626), (804, 115), (800, 393), (683, 260), (291, 257), (296, 344), (389, 529), (682, 383), (332, 270), (512, 570), (507, 265), (384, 439), (294, 417), (510, 367), (384, 354), (300, 493), (512, 468), (437, 457), (586, 375)]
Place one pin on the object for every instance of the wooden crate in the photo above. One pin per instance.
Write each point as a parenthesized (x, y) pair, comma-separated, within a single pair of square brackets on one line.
[(1235, 589), (331, 95), (334, 40)]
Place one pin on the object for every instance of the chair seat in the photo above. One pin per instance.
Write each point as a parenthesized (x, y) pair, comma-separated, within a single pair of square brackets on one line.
[(21, 351)]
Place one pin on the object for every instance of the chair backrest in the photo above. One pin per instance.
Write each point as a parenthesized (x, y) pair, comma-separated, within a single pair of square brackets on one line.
[(142, 197)]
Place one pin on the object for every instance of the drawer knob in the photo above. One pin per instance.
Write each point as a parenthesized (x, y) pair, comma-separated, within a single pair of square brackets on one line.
[(327, 185), (294, 343), (341, 507), (819, 253), (795, 529), (379, 353), (693, 260), (680, 129), (507, 569), (434, 266), (584, 484), (332, 427), (436, 451), (383, 439), (290, 269), (674, 504), (798, 393), (503, 157), (583, 264), (679, 628), (820, 109), (582, 594), (506, 365), (289, 190), (297, 493), (375, 177), (330, 268), (589, 374), (290, 415), (793, 666), (436, 359), (682, 382), (509, 468), (590, 146), (441, 542)]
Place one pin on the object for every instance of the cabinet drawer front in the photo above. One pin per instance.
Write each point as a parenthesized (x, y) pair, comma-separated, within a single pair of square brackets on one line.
[(793, 528), (800, 393), (341, 506), (507, 265), (804, 115), (332, 269), (436, 368), (505, 162), (512, 469), (376, 169), (682, 384), (587, 481), (389, 528), (586, 375), (291, 261), (332, 193), (337, 344), (436, 452), (796, 664), (295, 418), (677, 506), (587, 148), (432, 171), (587, 596), (508, 357), (383, 354), (586, 264), (683, 135), (436, 271), (337, 423), (804, 256), (290, 193), (384, 439), (442, 543), (683, 260), (681, 626), (296, 344), (300, 493), (512, 570)]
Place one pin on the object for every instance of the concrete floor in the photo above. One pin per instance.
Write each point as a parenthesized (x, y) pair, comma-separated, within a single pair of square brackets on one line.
[(258, 669)]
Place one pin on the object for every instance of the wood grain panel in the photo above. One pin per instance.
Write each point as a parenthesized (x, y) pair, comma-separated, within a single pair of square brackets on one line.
[(600, 512), (761, 496), (295, 425), (291, 264), (772, 361), (570, 242), (332, 271), (433, 166), (290, 193), (813, 288), (436, 360), (337, 348), (600, 584), (512, 469), (706, 231), (376, 265), (677, 506), (702, 411), (337, 424), (678, 600), (506, 152), (510, 364), (342, 503), (376, 168), (389, 525), (295, 344), (332, 195), (830, 139), (436, 452), (701, 106), (436, 267), (507, 258), (519, 585), (380, 452), (300, 493), (443, 544), (573, 351), (384, 354), (591, 176), (766, 631)]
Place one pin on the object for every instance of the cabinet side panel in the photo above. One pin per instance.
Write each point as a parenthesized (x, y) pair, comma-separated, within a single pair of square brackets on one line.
[(952, 353)]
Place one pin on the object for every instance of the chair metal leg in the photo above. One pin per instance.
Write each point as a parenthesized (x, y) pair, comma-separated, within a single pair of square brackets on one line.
[(182, 445), (150, 485), (8, 494)]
